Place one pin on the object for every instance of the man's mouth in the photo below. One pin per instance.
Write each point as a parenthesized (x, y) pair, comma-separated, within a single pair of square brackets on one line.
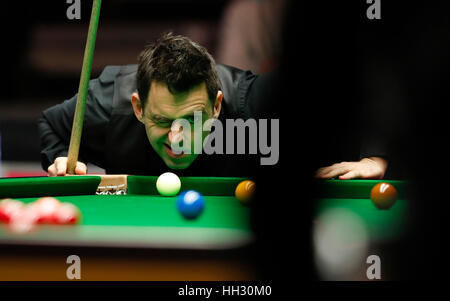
[(171, 153)]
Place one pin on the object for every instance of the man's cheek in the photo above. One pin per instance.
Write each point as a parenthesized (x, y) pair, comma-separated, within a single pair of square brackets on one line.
[(156, 133)]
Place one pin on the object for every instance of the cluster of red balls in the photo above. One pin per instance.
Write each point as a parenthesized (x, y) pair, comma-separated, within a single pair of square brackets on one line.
[(23, 218)]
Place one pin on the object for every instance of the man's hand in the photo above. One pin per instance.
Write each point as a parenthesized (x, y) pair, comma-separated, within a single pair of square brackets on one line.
[(59, 168), (367, 168)]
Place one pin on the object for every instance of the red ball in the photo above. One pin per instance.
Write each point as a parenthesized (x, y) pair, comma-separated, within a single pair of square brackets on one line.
[(9, 207), (23, 220), (66, 214), (46, 208)]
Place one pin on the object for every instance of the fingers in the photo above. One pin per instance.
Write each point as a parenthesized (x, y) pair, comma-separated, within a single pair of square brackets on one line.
[(80, 169), (334, 170), (364, 169), (52, 171), (59, 168), (371, 175), (352, 174), (324, 171)]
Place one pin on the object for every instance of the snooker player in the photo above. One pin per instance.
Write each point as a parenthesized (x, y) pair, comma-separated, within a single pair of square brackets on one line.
[(130, 110)]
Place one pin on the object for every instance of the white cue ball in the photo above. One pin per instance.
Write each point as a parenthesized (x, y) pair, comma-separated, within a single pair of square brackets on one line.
[(168, 184)]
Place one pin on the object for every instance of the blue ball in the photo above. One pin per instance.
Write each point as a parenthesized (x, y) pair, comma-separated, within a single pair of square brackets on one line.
[(190, 204)]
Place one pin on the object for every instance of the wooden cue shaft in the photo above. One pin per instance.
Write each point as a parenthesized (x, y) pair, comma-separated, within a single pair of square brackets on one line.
[(78, 117)]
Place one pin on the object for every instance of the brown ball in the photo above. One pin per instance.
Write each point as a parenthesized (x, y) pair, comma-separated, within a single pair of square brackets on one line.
[(383, 195)]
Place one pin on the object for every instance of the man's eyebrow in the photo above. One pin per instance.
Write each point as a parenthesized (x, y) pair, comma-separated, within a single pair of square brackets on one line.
[(158, 117), (188, 115), (192, 114)]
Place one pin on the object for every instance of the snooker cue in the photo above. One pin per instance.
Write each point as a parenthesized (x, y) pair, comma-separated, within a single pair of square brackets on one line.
[(78, 117)]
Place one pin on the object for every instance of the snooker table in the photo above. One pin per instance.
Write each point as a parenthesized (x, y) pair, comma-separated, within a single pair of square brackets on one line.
[(137, 235), (384, 229)]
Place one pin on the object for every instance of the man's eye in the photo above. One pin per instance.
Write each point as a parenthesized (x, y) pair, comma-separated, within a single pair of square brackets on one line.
[(163, 123)]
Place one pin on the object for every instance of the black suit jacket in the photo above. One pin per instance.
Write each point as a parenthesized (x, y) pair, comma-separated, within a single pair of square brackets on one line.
[(115, 140)]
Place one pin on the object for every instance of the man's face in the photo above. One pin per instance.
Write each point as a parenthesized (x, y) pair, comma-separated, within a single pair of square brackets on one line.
[(162, 108)]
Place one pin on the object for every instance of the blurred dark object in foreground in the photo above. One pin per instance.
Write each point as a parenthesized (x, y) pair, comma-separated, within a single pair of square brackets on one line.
[(345, 80)]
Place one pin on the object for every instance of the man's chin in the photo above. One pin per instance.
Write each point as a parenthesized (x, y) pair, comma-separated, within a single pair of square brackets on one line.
[(178, 164)]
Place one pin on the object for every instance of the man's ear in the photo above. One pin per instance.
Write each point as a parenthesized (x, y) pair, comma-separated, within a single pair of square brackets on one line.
[(137, 106), (218, 104)]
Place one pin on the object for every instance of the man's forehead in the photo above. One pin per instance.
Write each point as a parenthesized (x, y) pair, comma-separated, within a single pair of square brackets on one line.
[(163, 102)]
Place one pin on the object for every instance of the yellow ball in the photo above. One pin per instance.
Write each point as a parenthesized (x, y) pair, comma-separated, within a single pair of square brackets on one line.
[(244, 191)]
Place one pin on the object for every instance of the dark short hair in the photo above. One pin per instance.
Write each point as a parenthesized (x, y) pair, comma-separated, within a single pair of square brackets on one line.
[(178, 62)]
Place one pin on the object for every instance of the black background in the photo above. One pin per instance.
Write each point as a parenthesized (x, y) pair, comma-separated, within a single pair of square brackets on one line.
[(334, 61)]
